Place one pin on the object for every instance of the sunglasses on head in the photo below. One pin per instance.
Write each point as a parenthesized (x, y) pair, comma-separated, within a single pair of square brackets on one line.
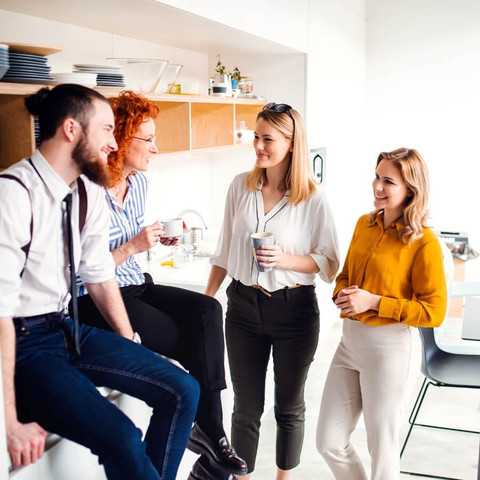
[(281, 108)]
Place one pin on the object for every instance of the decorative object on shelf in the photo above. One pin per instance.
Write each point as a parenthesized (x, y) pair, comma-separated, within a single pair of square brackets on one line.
[(190, 88), (235, 78), (236, 75), (222, 83), (240, 128), (141, 74), (220, 67), (171, 76), (245, 87)]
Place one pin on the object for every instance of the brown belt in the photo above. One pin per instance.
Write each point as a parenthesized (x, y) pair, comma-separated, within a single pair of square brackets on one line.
[(268, 294)]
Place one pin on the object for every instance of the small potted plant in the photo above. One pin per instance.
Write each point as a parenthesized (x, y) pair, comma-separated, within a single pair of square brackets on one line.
[(222, 83), (235, 77), (220, 72)]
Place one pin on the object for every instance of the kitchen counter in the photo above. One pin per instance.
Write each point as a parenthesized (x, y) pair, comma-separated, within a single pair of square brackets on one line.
[(192, 276)]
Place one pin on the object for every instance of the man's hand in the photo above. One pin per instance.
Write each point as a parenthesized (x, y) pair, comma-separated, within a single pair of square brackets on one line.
[(25, 443)]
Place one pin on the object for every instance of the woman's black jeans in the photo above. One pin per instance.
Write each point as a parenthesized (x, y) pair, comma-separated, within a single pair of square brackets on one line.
[(180, 324), (286, 324)]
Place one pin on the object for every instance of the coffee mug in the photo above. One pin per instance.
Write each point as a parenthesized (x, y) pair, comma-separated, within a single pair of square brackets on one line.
[(259, 239), (172, 227)]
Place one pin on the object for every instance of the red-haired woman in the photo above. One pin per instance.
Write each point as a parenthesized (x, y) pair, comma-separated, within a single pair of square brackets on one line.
[(177, 323)]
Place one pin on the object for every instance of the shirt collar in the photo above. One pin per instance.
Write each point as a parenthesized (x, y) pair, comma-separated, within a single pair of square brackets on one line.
[(378, 220), (260, 185), (55, 184)]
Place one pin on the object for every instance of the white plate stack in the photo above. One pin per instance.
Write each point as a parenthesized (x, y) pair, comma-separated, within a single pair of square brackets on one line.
[(85, 79), (107, 75)]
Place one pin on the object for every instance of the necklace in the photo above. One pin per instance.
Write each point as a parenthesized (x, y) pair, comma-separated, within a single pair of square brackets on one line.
[(119, 190)]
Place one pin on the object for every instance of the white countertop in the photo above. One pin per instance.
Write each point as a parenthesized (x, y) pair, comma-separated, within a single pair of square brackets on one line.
[(192, 276)]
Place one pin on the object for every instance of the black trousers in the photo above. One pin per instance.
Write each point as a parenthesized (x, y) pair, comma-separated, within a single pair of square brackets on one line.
[(180, 324), (286, 325)]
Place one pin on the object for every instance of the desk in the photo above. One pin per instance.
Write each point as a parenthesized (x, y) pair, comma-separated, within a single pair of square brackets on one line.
[(449, 335)]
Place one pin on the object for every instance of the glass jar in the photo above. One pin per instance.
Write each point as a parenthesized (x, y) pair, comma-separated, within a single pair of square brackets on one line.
[(248, 87)]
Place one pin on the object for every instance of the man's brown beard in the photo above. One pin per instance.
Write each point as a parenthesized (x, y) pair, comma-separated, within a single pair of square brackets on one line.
[(90, 164)]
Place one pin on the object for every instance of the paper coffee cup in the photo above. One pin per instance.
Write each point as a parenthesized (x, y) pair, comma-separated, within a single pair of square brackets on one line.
[(259, 239)]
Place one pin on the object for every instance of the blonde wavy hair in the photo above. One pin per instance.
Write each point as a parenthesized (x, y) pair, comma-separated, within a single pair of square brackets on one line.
[(299, 178), (414, 173)]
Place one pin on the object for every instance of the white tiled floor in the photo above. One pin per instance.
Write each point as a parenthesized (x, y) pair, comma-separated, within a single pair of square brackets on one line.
[(428, 451)]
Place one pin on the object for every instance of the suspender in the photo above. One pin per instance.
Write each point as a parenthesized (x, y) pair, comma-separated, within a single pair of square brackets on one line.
[(26, 247), (83, 207)]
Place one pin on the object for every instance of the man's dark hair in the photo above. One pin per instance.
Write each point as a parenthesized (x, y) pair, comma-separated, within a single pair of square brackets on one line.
[(52, 107)]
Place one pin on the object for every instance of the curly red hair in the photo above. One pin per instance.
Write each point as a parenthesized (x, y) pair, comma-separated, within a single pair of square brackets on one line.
[(130, 110)]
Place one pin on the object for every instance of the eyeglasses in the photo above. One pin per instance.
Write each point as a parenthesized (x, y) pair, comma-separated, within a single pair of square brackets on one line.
[(281, 108), (151, 141)]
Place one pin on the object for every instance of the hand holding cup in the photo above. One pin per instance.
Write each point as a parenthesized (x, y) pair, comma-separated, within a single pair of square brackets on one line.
[(259, 239)]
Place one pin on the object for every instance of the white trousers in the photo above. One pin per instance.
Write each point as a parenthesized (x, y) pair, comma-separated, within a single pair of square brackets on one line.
[(371, 372)]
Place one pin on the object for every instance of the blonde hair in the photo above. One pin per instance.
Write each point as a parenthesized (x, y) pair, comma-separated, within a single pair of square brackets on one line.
[(414, 173), (299, 178)]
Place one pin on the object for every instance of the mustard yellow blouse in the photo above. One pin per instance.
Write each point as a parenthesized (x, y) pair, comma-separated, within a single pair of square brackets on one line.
[(409, 278)]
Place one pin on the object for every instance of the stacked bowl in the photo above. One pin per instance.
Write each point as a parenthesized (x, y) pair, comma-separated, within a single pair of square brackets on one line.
[(141, 73)]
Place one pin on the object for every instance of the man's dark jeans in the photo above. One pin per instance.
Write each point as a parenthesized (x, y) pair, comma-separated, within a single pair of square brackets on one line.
[(55, 387)]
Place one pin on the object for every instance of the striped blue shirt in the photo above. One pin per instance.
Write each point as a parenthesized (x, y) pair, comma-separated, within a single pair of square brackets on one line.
[(125, 223)]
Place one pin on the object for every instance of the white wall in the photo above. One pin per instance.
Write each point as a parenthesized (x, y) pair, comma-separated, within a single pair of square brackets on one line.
[(279, 78), (423, 92), (335, 115), (335, 108)]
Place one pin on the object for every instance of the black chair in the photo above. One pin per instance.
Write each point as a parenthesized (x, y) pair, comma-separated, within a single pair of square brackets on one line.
[(442, 369)]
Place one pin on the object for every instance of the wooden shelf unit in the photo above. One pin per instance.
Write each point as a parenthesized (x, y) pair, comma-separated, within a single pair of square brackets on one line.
[(17, 136), (173, 127), (184, 123), (212, 124), (248, 114)]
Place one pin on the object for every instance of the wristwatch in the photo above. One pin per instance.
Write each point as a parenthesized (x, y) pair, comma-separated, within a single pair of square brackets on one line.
[(136, 338)]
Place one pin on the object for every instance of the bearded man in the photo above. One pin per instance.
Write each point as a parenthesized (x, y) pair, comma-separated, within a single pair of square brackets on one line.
[(53, 223)]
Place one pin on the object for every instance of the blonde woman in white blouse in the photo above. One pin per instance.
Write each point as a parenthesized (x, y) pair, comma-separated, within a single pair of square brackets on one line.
[(276, 311)]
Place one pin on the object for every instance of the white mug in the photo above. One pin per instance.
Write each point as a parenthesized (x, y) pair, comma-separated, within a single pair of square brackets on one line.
[(172, 227)]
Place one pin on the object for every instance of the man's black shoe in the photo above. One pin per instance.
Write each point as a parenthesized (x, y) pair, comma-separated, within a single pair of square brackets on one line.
[(222, 454), (202, 470)]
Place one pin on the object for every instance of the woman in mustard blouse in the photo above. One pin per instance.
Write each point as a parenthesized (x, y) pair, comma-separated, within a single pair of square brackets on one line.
[(392, 280)]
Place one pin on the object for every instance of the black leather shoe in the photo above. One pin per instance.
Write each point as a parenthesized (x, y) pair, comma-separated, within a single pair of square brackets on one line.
[(201, 470), (221, 455)]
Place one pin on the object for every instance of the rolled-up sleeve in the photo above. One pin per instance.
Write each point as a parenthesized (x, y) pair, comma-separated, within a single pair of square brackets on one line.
[(324, 248), (220, 257), (15, 218), (97, 263), (429, 304)]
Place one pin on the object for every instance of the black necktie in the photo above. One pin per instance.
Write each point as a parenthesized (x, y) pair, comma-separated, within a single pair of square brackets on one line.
[(73, 277)]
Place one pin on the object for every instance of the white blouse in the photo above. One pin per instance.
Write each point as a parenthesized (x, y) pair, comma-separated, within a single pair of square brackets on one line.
[(307, 228)]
